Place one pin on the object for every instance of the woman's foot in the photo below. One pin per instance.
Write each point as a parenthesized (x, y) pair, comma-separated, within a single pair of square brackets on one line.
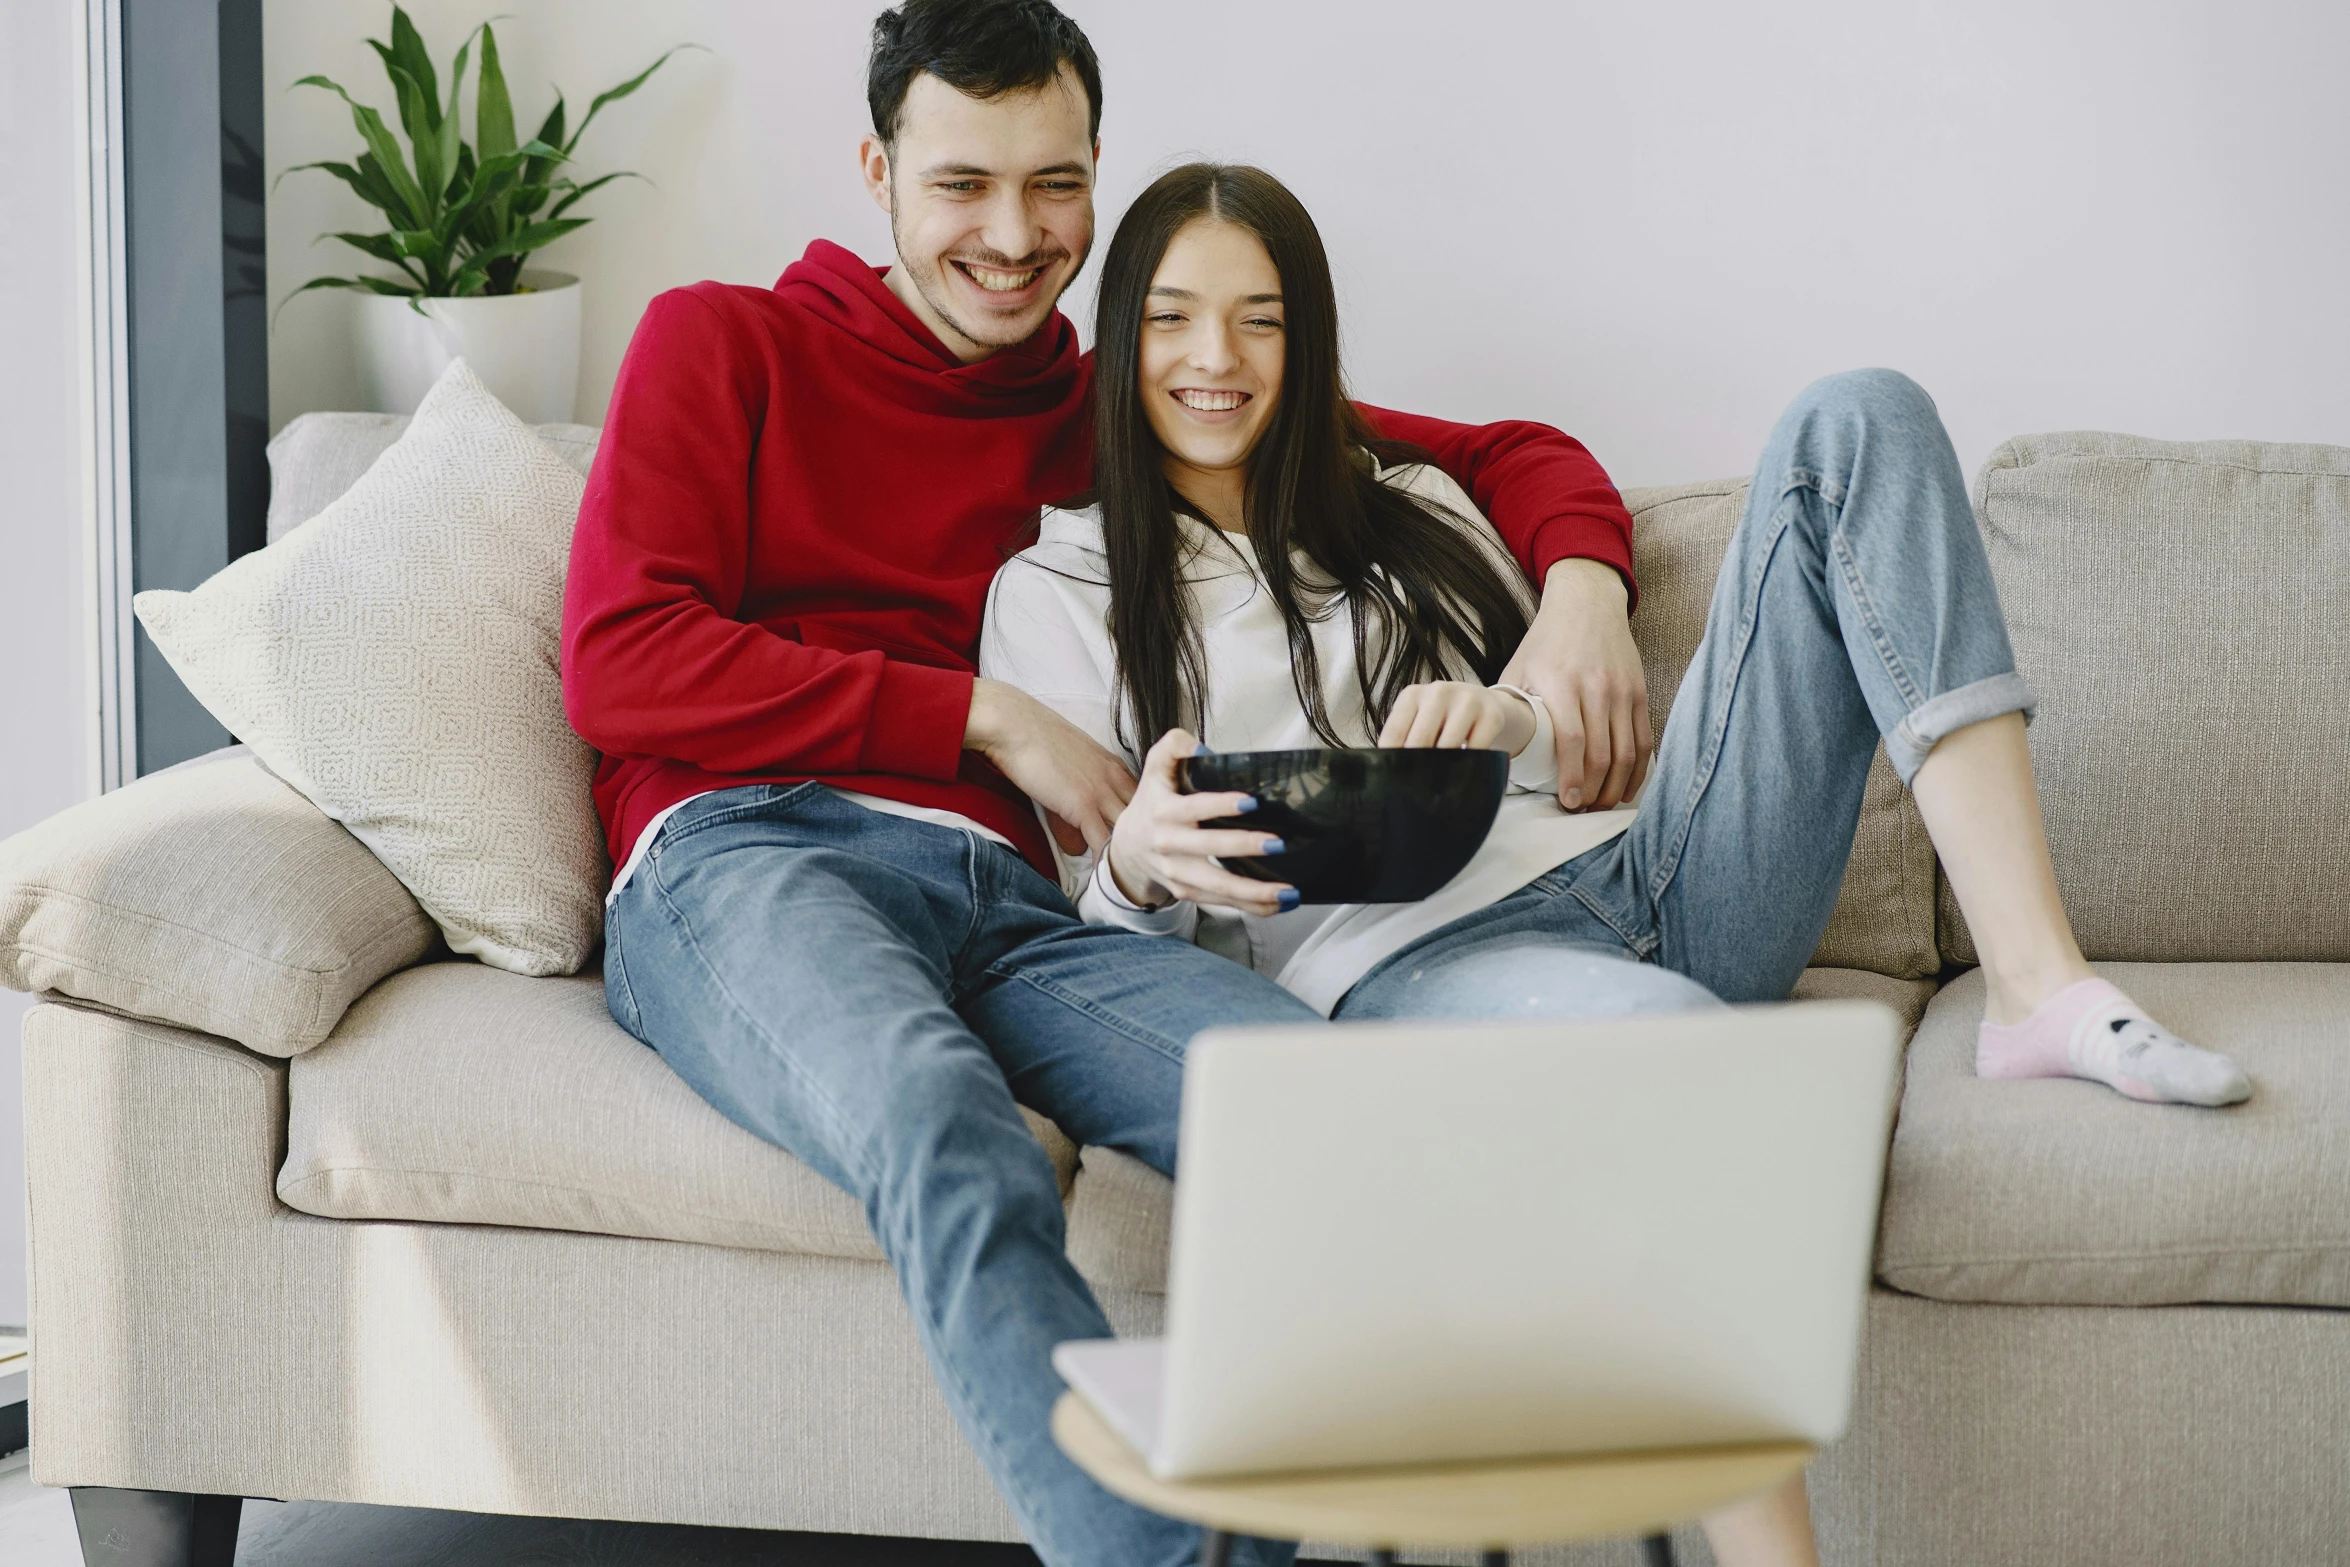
[(2091, 1030)]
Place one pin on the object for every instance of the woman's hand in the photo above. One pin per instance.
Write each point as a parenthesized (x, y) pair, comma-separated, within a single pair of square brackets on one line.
[(1159, 852), (1455, 715)]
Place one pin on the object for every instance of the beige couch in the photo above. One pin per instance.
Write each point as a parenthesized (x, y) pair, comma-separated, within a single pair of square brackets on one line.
[(317, 1213)]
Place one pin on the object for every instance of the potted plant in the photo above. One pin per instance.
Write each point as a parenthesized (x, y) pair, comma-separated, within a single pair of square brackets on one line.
[(462, 219)]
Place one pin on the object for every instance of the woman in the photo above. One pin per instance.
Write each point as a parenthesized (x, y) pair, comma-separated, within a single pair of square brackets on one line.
[(1256, 573)]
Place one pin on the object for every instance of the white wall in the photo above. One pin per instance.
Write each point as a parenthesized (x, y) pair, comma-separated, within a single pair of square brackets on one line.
[(1649, 224), (44, 697)]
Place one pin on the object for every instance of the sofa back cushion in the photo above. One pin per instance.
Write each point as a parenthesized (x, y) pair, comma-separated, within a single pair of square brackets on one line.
[(210, 895), (2182, 611), (1884, 919), (318, 456)]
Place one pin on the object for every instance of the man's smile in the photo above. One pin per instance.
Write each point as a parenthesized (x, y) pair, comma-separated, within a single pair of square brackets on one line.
[(999, 280)]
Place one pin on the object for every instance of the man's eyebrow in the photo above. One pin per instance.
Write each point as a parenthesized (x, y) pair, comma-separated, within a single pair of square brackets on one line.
[(964, 171)]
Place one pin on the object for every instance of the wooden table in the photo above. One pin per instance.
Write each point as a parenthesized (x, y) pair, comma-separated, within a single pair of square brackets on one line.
[(1483, 1506)]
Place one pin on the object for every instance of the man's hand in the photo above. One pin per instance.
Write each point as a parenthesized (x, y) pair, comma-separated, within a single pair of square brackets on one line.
[(1578, 657), (1081, 786)]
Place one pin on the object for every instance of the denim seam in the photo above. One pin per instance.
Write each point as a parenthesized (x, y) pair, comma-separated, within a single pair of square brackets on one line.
[(1640, 946), (674, 831), (616, 967), (1007, 969), (1701, 776), (1848, 567), (979, 897), (801, 1078)]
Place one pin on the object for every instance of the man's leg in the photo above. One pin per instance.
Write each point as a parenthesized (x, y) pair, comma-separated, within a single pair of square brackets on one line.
[(794, 957), (1090, 1025), (1090, 1022)]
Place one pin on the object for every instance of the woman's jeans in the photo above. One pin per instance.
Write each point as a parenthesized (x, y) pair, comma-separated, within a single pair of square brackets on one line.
[(1854, 604)]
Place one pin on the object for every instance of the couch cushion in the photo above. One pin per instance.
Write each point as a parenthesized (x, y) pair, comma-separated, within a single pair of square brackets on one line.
[(318, 456), (462, 1094), (395, 659), (2065, 1193), (1121, 1211), (209, 895), (2182, 611), (1884, 917)]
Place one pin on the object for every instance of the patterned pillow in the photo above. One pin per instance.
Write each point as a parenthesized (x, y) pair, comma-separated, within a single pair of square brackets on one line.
[(394, 658)]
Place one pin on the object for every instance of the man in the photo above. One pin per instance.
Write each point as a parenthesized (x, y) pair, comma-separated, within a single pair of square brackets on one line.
[(830, 917)]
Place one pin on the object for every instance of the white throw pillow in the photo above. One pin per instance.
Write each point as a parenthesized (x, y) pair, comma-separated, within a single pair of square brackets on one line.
[(395, 659)]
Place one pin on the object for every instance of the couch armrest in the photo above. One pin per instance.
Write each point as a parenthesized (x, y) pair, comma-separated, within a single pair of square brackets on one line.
[(211, 896)]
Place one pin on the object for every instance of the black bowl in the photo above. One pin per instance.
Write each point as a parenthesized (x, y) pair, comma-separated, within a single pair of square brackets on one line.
[(1367, 826)]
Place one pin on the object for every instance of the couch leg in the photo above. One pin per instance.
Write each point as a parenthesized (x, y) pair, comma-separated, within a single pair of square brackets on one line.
[(155, 1528)]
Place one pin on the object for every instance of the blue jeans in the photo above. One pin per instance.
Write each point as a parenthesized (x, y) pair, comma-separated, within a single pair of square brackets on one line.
[(873, 994), (1854, 604)]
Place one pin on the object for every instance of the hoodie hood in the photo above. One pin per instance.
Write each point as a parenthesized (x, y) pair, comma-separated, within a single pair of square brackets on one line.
[(840, 290)]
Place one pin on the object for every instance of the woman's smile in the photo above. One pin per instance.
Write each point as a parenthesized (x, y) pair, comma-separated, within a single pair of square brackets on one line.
[(1215, 407)]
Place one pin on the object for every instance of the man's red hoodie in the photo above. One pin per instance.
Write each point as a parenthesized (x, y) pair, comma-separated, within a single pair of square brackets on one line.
[(798, 504)]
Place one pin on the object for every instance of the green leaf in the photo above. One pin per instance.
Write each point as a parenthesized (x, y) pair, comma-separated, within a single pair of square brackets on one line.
[(383, 247), (450, 143), (386, 150), (521, 242), (615, 94), (387, 196), (365, 285), (523, 203), (408, 53), (416, 117), (425, 245), (574, 192), (493, 110), (370, 187), (550, 133), (493, 178)]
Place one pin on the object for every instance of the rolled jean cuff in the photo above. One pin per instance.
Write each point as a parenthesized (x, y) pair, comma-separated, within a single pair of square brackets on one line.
[(1932, 719)]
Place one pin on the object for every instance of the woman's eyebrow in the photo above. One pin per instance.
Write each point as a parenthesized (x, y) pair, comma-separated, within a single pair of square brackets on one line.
[(1184, 293)]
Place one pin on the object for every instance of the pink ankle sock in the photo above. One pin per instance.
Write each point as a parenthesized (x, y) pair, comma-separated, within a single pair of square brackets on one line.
[(2091, 1030)]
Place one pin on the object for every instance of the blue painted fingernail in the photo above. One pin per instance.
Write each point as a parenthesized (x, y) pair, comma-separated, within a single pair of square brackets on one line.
[(1274, 846), (1289, 899), (1200, 749), (1248, 803)]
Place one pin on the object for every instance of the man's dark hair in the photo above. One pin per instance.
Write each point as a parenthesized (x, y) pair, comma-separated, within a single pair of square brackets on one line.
[(982, 48)]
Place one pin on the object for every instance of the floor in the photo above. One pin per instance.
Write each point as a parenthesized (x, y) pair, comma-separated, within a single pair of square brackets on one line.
[(36, 1530)]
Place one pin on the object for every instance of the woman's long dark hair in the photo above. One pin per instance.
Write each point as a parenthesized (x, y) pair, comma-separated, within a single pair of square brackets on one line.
[(1418, 582)]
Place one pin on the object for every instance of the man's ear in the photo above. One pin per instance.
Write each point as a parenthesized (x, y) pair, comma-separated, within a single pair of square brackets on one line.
[(873, 164)]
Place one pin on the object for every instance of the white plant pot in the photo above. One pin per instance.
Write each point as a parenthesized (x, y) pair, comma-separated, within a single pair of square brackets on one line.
[(525, 347)]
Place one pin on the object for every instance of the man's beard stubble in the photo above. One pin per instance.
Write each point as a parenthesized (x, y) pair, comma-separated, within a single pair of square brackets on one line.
[(930, 286)]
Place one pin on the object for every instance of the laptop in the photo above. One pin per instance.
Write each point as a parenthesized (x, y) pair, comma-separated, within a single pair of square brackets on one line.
[(1415, 1243)]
